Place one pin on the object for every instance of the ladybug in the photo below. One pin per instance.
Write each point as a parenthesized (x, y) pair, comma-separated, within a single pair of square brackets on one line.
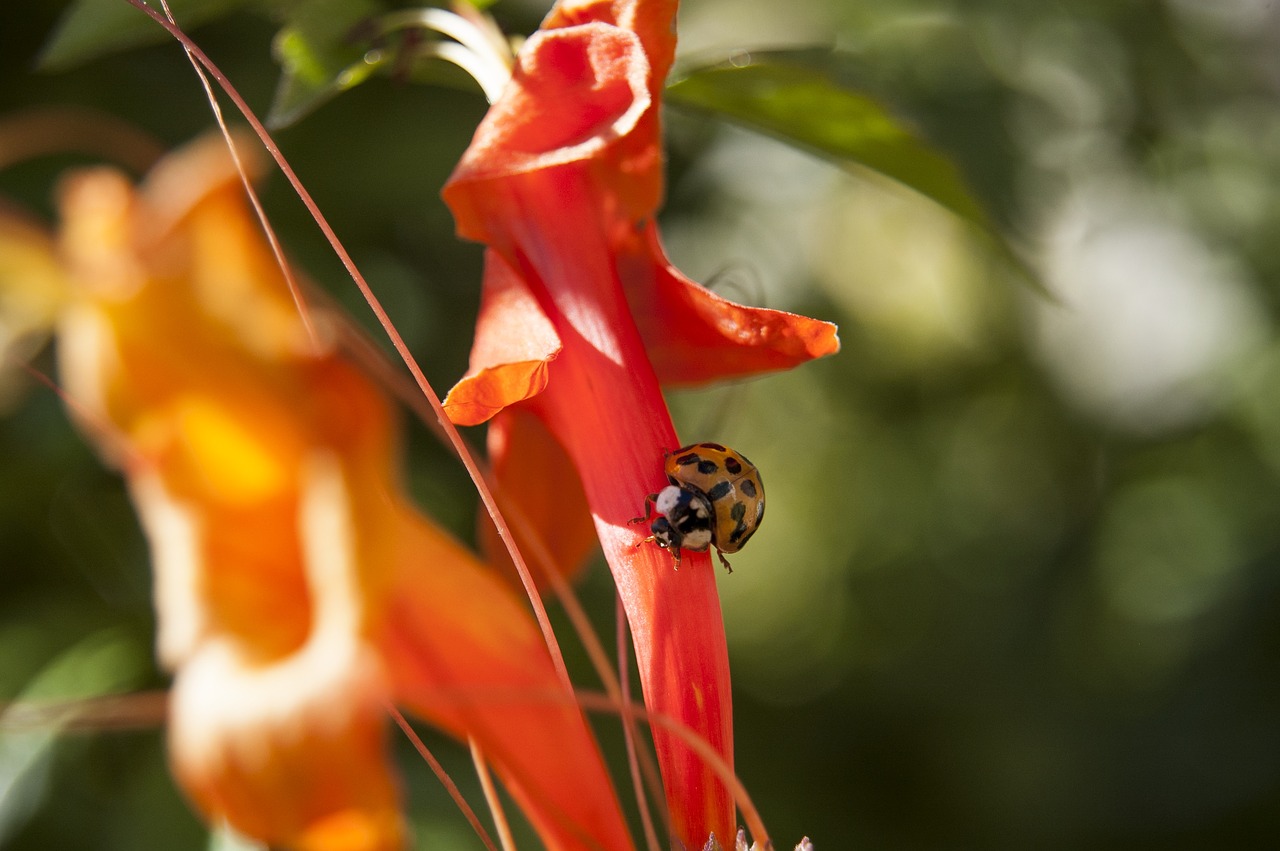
[(715, 497)]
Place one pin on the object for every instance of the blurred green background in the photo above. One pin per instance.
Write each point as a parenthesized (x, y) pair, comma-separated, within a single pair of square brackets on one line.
[(1020, 581)]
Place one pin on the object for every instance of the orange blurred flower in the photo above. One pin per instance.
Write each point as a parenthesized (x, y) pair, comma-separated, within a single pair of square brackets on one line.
[(298, 592), (581, 317)]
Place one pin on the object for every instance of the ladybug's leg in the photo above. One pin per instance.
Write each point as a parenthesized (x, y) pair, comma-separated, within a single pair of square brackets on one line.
[(648, 511), (675, 553), (724, 561)]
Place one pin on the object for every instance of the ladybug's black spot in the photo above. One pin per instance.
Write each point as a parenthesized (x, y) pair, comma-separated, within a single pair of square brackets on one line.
[(738, 511), (720, 491), (731, 464), (706, 467), (738, 531), (714, 447), (688, 458), (748, 487)]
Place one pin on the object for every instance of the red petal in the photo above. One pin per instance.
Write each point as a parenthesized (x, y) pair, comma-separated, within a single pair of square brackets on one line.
[(694, 336), (652, 20), (578, 95)]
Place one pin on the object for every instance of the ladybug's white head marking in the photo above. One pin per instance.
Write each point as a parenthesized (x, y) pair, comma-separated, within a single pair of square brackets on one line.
[(667, 499)]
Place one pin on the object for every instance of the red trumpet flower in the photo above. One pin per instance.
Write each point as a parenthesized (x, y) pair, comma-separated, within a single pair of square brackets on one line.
[(582, 317)]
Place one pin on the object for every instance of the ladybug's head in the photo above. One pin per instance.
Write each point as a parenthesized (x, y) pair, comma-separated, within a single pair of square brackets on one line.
[(684, 520)]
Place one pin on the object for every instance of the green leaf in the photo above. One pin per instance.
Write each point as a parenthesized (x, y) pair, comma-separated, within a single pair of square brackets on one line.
[(318, 56), (92, 28), (807, 98), (804, 103)]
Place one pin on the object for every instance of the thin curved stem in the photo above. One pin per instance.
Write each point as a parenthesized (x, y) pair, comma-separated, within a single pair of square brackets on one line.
[(443, 776)]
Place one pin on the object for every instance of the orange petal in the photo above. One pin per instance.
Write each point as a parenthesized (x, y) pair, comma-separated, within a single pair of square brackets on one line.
[(291, 749), (514, 342), (293, 755)]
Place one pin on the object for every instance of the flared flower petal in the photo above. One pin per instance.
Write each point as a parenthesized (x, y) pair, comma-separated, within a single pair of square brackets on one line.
[(290, 750), (694, 336), (297, 590), (514, 345), (561, 182)]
